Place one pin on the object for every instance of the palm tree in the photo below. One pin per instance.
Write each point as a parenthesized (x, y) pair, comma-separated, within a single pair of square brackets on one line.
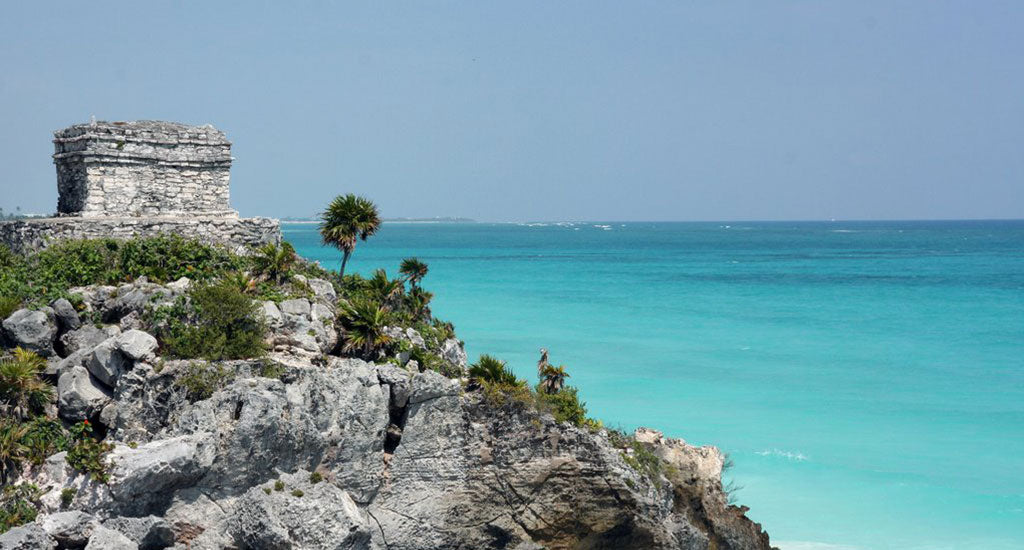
[(492, 370), (553, 379), (364, 321), (414, 270), (22, 393), (347, 219), (273, 262), (418, 302), (386, 290)]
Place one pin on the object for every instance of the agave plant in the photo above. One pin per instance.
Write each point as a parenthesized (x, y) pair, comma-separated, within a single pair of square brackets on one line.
[(274, 262), (553, 378), (348, 219), (491, 370), (364, 322), (240, 281), (414, 271), (22, 393)]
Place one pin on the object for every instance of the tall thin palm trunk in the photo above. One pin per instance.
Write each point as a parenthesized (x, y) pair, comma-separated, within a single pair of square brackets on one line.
[(344, 260)]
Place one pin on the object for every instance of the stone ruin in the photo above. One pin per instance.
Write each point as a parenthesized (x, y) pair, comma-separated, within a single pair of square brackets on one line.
[(142, 178)]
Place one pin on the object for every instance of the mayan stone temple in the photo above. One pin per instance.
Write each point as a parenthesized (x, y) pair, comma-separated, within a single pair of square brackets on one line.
[(125, 179)]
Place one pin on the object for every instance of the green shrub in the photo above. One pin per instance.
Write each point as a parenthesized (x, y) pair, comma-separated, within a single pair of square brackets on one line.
[(40, 277), (12, 449), (87, 454), (23, 394), (67, 496), (315, 478), (640, 457), (491, 370), (279, 485), (202, 380), (43, 438), (216, 322), (297, 493), (565, 406), (19, 504), (8, 305), (364, 320), (170, 257)]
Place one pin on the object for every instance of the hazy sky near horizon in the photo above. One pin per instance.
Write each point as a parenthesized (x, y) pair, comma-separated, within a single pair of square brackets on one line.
[(546, 110)]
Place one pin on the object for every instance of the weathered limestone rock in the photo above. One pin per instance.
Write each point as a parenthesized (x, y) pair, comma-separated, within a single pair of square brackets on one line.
[(108, 539), (323, 290), (86, 338), (31, 330), (107, 363), (453, 352), (149, 533), (136, 344), (322, 516), (69, 529), (27, 537), (67, 317), (78, 396)]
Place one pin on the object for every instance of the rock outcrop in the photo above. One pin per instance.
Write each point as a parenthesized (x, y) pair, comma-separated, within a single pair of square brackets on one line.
[(305, 450)]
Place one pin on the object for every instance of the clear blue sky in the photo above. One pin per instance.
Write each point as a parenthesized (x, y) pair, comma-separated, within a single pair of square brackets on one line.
[(548, 110)]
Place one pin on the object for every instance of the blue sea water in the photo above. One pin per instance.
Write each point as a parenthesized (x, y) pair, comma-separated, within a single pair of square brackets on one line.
[(867, 378)]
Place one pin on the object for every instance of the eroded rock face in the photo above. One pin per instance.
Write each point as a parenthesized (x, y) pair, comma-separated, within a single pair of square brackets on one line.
[(403, 460), (33, 330), (79, 396)]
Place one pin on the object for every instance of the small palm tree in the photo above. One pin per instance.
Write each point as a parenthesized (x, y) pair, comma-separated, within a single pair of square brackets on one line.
[(348, 219), (414, 270), (22, 393), (386, 290), (364, 322), (492, 370), (273, 262), (553, 379), (418, 302)]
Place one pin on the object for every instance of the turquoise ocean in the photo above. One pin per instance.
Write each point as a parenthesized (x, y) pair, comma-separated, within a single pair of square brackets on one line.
[(867, 378)]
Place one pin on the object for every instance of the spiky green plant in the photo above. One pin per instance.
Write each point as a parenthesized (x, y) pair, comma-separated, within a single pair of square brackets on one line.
[(273, 262), (22, 393), (386, 291), (418, 303), (348, 219), (491, 370), (414, 270), (12, 449), (553, 378), (363, 321)]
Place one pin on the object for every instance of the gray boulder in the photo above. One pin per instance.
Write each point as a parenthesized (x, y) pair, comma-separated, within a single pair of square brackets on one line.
[(453, 352), (136, 344), (304, 515), (107, 363), (67, 317), (31, 330), (27, 537), (78, 396), (69, 529), (143, 479), (323, 290), (150, 532), (298, 306), (108, 539), (86, 338), (271, 314)]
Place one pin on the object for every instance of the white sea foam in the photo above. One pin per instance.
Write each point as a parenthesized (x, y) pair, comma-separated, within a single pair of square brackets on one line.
[(797, 456)]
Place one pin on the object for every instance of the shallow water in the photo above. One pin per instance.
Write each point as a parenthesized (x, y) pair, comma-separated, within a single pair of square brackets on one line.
[(867, 378)]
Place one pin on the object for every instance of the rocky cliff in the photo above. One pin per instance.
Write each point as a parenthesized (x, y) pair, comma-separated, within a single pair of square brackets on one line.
[(306, 449)]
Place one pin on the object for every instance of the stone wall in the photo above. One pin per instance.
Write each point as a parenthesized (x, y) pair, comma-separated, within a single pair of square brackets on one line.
[(238, 233), (142, 168)]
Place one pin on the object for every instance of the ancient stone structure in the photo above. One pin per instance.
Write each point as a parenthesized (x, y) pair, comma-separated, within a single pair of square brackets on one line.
[(124, 179)]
